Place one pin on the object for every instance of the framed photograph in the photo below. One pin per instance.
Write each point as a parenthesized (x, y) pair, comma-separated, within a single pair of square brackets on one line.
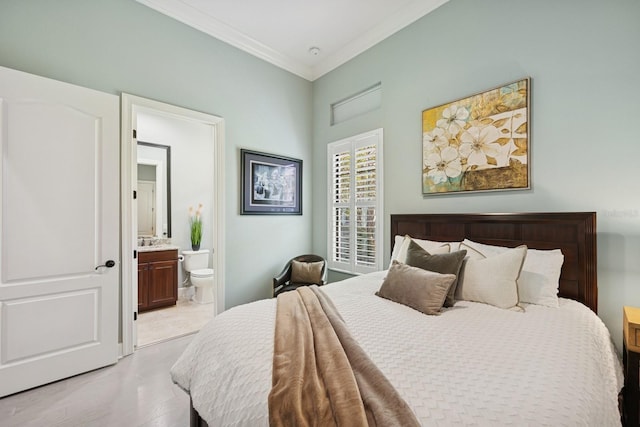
[(478, 143), (271, 185)]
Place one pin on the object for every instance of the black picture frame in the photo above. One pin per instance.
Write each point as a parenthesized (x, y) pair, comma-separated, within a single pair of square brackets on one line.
[(271, 184)]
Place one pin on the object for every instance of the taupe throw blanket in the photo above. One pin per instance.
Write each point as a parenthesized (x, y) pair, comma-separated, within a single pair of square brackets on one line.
[(321, 376)]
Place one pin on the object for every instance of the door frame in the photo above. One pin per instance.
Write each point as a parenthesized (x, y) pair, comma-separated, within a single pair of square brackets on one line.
[(130, 106)]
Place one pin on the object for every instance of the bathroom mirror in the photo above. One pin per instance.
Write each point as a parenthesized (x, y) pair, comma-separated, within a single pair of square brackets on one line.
[(154, 190)]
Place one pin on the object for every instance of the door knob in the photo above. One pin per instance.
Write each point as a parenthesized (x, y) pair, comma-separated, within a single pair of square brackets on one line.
[(108, 264)]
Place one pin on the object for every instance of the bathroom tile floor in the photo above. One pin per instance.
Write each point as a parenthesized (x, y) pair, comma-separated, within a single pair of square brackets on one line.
[(184, 318)]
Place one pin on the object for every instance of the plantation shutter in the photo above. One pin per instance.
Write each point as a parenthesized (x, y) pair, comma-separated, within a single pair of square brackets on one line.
[(365, 204), (355, 243), (341, 218)]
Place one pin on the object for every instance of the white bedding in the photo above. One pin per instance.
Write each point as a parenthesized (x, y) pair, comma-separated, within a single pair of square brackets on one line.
[(473, 365)]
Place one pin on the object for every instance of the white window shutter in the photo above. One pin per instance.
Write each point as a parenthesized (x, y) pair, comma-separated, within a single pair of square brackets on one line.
[(355, 201)]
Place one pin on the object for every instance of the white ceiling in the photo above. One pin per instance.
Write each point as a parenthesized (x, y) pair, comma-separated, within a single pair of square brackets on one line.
[(282, 31)]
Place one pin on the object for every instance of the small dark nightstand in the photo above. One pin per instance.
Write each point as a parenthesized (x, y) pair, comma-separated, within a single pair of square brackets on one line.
[(631, 362)]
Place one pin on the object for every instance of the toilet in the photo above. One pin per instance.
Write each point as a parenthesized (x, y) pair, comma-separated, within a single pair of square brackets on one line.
[(196, 263)]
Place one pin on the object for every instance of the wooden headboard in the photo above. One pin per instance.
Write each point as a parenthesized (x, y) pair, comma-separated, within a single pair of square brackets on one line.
[(572, 232)]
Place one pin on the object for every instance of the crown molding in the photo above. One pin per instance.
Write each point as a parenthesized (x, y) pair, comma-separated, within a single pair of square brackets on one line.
[(201, 21), (388, 27)]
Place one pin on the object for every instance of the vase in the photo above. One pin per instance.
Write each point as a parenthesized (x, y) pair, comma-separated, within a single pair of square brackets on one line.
[(195, 246)]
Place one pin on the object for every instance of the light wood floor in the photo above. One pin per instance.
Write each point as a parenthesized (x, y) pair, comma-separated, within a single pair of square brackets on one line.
[(137, 391)]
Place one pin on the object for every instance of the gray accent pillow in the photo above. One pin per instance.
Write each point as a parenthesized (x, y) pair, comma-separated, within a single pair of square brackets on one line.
[(414, 287), (440, 263), (306, 272)]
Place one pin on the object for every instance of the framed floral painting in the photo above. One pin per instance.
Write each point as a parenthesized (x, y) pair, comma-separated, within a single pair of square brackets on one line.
[(478, 143)]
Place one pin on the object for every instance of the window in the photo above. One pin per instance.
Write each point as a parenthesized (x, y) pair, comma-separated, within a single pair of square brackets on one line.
[(355, 203), (362, 102)]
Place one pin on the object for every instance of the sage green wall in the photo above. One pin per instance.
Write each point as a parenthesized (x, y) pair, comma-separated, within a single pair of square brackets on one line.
[(121, 46), (582, 56), (584, 61)]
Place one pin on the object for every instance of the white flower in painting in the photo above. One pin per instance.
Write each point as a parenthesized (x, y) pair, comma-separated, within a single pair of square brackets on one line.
[(478, 143), (453, 119), (443, 165), (435, 139)]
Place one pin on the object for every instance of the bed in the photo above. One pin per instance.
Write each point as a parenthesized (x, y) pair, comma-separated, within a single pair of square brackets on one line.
[(474, 364)]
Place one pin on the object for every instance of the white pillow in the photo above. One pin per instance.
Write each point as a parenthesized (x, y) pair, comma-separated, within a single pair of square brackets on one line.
[(540, 276), (398, 242), (492, 280), (401, 246)]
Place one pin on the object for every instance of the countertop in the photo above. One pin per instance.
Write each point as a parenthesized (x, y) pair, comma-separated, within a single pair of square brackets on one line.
[(157, 248)]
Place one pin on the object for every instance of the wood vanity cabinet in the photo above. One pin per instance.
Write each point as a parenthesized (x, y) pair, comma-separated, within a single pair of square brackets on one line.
[(157, 279)]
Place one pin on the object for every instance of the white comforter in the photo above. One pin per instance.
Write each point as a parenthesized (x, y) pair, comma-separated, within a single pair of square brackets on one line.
[(473, 365)]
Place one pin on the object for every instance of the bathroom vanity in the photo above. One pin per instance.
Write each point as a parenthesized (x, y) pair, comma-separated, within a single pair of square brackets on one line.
[(157, 277)]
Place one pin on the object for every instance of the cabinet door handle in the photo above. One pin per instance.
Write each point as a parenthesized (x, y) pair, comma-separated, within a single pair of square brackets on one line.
[(109, 264)]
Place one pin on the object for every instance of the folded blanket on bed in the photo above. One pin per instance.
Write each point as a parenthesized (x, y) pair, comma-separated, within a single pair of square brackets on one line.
[(321, 376)]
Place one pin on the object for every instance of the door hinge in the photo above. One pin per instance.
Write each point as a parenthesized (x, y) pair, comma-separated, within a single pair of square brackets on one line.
[(135, 194), (135, 133), (135, 254), (135, 315)]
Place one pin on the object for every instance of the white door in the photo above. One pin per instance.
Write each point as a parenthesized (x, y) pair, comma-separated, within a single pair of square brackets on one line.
[(146, 208), (59, 182)]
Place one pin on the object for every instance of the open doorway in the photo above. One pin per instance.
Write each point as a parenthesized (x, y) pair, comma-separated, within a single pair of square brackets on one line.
[(157, 292)]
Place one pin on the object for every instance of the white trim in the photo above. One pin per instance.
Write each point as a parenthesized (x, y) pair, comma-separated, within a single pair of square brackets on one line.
[(199, 20), (128, 230), (132, 104)]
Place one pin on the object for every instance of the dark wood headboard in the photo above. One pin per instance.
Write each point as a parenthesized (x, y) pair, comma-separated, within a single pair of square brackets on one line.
[(572, 232)]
